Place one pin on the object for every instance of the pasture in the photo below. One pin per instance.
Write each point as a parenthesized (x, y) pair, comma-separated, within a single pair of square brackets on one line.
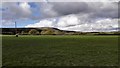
[(68, 50)]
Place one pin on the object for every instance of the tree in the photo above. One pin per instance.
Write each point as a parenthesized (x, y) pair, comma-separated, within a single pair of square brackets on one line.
[(57, 32), (33, 32), (47, 32), (23, 33)]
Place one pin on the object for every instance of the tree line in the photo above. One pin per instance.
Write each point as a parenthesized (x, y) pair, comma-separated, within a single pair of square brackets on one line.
[(50, 31)]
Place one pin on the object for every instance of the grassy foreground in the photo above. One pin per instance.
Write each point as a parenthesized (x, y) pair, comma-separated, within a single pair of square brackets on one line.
[(60, 50)]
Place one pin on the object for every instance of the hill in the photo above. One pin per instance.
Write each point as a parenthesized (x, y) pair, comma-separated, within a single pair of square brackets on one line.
[(50, 31)]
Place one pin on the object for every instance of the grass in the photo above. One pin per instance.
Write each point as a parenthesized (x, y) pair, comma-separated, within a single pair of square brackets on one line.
[(0, 51), (60, 50)]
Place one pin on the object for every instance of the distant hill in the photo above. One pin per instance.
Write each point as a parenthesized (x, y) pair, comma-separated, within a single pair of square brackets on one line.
[(50, 31)]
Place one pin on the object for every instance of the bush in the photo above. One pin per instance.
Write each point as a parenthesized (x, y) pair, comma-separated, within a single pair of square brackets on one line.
[(33, 32), (56, 32), (47, 32), (24, 33)]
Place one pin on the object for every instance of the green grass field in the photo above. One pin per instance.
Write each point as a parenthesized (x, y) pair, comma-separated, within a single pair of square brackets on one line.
[(60, 50)]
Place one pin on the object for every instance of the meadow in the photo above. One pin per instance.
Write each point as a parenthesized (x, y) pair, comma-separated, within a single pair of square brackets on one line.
[(61, 50)]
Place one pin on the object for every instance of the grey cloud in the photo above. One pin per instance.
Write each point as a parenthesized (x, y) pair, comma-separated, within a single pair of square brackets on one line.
[(74, 23), (92, 9), (96, 9), (65, 8), (13, 11), (106, 10), (57, 9), (87, 12)]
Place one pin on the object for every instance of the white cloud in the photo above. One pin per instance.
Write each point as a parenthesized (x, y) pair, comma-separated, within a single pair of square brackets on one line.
[(25, 7), (6, 23), (99, 25), (73, 23), (42, 23), (69, 20), (76, 16)]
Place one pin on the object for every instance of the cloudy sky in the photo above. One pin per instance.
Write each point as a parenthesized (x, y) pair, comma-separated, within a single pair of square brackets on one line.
[(73, 16)]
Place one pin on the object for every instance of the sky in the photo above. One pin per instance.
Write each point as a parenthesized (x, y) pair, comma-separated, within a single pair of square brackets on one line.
[(72, 16)]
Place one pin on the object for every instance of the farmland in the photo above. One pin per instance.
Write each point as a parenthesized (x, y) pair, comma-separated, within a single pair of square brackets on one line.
[(60, 50)]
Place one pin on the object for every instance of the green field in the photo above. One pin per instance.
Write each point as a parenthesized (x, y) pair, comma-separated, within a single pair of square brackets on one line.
[(69, 50)]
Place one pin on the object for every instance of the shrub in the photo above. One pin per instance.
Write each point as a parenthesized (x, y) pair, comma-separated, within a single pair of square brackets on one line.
[(24, 33), (56, 32), (33, 32), (47, 32)]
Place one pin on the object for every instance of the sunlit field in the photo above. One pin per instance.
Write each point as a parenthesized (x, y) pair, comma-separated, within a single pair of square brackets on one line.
[(70, 50)]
